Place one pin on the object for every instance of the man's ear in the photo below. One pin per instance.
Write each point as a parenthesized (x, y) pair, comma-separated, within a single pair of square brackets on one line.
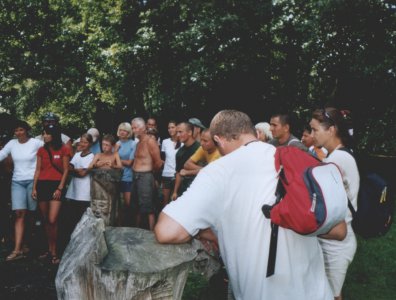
[(287, 127), (332, 129)]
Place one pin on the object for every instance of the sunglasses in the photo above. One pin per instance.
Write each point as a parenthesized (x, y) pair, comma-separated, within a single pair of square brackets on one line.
[(328, 117)]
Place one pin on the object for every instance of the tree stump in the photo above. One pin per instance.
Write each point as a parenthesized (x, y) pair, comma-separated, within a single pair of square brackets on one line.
[(123, 263), (105, 194)]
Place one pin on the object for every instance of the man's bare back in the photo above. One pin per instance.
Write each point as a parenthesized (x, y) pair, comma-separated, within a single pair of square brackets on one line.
[(143, 160)]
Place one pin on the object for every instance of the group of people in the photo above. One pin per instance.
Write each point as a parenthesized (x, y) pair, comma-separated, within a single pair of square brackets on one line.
[(223, 207), (213, 183)]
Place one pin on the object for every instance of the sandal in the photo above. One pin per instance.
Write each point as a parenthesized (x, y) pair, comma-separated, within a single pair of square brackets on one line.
[(25, 249), (45, 255), (14, 255), (55, 260)]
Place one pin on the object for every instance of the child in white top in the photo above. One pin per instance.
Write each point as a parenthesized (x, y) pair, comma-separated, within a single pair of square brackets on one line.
[(79, 190)]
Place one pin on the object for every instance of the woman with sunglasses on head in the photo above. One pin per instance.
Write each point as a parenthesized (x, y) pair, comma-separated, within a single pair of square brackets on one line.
[(23, 150), (330, 130), (49, 181)]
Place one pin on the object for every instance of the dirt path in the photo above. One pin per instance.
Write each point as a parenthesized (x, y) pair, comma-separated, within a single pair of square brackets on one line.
[(27, 278)]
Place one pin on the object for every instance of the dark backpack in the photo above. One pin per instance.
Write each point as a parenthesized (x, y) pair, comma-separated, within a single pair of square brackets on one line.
[(310, 197), (374, 215)]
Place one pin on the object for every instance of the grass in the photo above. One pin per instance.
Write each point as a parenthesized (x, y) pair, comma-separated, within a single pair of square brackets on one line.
[(372, 274)]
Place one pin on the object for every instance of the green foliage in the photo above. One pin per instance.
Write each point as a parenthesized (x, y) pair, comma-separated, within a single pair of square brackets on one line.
[(89, 60), (194, 287), (372, 272)]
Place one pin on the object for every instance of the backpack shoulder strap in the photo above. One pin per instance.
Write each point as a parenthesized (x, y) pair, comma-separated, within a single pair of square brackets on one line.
[(292, 141), (346, 149), (52, 163), (351, 208)]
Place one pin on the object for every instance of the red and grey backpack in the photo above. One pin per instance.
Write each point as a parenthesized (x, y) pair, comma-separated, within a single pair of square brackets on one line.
[(310, 197)]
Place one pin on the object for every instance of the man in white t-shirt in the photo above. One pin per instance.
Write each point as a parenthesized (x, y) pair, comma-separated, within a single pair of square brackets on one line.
[(223, 205)]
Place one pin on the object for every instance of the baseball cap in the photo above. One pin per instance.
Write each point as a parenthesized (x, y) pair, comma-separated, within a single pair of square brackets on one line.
[(50, 116), (196, 122), (94, 133)]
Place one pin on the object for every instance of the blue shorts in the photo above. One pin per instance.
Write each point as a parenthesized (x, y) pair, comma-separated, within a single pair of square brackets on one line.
[(125, 186), (21, 195)]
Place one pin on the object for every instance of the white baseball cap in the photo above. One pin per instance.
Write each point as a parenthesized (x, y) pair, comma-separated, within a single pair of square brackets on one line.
[(94, 133)]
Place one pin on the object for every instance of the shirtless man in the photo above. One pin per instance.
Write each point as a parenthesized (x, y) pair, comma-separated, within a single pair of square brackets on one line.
[(147, 160)]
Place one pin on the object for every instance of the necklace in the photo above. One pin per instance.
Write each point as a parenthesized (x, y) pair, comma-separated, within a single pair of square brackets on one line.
[(252, 141)]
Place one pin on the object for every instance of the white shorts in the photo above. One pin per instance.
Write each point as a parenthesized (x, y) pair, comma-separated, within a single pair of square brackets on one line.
[(337, 257)]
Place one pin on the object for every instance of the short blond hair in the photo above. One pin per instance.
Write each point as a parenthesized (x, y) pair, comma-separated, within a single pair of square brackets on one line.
[(231, 124), (125, 126)]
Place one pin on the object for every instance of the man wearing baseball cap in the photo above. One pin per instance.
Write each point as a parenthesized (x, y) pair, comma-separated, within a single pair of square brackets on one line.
[(49, 118), (198, 126), (96, 146)]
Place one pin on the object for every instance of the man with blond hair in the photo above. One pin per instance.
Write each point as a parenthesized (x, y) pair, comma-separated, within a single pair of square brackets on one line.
[(223, 205)]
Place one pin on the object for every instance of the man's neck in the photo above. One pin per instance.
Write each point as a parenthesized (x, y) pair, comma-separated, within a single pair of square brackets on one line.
[(189, 142), (246, 139), (241, 141), (142, 137), (284, 139)]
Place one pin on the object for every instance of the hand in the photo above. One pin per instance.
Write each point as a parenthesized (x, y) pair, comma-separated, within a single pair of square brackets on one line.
[(79, 172), (174, 196), (57, 194), (183, 172), (209, 241), (101, 164), (34, 195)]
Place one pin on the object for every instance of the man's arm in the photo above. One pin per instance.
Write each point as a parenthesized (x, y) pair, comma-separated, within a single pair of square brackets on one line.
[(168, 231), (338, 232), (191, 165), (184, 172), (178, 180), (155, 154), (117, 161)]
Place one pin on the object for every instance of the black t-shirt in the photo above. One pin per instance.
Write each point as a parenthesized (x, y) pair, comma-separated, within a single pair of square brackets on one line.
[(184, 153)]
